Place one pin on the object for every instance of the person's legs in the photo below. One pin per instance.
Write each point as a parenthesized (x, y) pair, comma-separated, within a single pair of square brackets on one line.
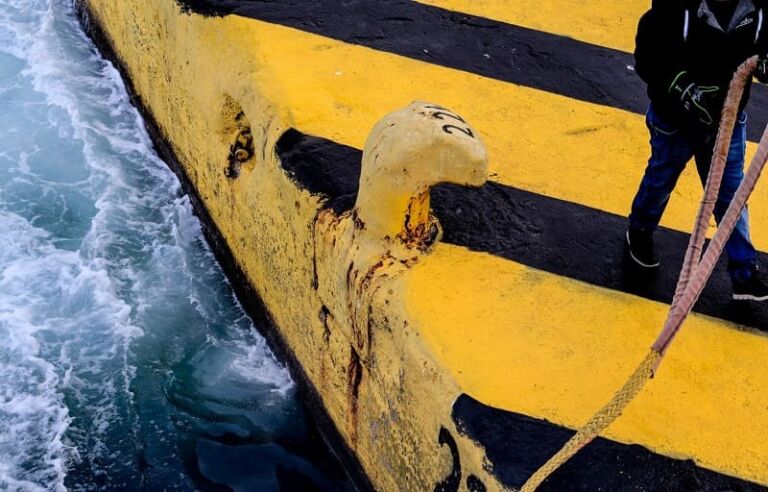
[(741, 253), (670, 151)]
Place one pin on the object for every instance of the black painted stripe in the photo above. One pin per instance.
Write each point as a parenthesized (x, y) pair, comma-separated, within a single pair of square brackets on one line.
[(553, 235), (517, 445), (473, 44)]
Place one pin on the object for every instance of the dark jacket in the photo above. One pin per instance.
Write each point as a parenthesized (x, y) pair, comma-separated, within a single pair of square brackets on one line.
[(677, 35)]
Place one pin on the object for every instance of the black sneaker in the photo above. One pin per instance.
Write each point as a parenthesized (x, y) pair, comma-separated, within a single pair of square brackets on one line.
[(752, 289), (641, 248)]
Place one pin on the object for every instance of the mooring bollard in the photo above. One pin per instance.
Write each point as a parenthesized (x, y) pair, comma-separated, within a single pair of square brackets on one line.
[(390, 227)]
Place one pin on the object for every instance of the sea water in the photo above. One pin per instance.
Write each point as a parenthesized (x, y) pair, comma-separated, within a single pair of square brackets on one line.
[(126, 362)]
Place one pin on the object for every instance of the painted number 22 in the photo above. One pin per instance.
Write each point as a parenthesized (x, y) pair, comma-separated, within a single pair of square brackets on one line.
[(442, 114)]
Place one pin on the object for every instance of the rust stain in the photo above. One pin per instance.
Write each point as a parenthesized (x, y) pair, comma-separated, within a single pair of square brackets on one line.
[(359, 224), (354, 378), (324, 314)]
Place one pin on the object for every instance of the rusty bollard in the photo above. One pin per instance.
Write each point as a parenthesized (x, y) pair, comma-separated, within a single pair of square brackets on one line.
[(407, 153), (390, 227)]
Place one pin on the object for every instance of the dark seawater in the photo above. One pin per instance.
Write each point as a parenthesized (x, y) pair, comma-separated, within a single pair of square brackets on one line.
[(126, 362)]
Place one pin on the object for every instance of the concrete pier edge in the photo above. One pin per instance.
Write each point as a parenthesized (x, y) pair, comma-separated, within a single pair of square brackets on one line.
[(246, 294)]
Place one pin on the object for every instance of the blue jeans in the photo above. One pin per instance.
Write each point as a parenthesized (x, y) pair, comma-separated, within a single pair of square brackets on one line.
[(671, 149)]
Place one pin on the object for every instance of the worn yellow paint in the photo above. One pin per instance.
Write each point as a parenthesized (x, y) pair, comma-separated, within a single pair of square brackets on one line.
[(390, 227), (610, 23), (458, 321), (555, 348), (406, 154), (378, 381), (537, 141)]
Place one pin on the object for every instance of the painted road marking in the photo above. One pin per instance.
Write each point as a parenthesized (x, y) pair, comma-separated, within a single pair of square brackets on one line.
[(610, 23), (516, 445), (522, 307), (556, 236), (537, 141), (477, 45), (557, 349), (541, 362)]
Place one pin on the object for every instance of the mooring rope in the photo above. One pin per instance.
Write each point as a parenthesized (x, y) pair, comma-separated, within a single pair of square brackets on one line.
[(694, 274)]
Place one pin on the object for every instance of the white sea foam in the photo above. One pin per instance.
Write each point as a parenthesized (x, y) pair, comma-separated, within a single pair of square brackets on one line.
[(253, 364), (47, 294), (98, 248)]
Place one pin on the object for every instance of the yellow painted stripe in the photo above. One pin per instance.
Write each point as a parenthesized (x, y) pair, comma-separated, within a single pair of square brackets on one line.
[(547, 346), (517, 338), (537, 141), (610, 23)]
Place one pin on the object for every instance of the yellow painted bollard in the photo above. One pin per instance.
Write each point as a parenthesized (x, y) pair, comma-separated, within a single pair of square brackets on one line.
[(390, 227), (408, 152)]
